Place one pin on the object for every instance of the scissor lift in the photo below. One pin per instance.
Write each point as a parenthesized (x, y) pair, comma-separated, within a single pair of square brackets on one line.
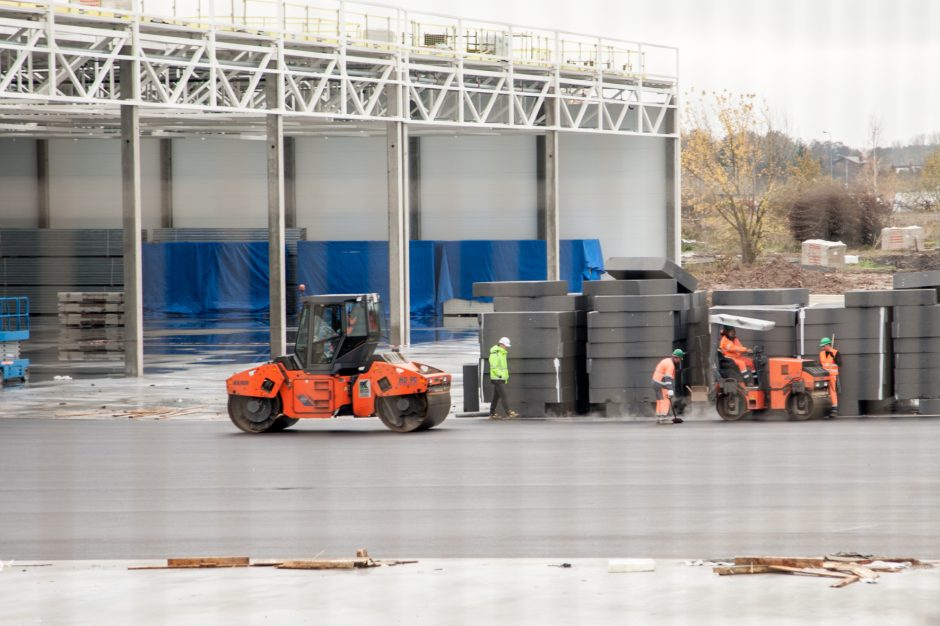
[(14, 328)]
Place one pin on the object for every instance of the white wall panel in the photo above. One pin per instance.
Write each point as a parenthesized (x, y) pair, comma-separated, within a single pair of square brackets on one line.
[(19, 197), (342, 187), (479, 187), (220, 183), (85, 183), (614, 189)]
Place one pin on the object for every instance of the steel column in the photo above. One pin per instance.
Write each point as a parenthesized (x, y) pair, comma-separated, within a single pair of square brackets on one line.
[(166, 183), (399, 331), (42, 183), (277, 258), (133, 291), (549, 214), (673, 201)]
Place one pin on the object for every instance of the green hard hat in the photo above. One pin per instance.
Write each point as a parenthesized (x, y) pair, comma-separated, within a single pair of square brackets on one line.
[(825, 341), (678, 352)]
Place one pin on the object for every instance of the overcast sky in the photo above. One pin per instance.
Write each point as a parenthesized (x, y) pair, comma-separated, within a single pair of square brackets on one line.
[(821, 65)]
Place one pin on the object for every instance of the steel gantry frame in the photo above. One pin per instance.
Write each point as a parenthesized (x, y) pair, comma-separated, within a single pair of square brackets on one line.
[(270, 68), (334, 63)]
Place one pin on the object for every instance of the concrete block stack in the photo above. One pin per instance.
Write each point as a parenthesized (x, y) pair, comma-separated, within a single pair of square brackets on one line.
[(547, 359), (780, 306), (91, 325), (635, 320), (916, 332)]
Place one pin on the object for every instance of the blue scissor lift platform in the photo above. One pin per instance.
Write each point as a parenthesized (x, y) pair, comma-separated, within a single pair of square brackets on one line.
[(14, 328)]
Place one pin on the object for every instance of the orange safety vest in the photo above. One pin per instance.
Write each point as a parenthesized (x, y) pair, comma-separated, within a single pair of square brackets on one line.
[(665, 368), (827, 357)]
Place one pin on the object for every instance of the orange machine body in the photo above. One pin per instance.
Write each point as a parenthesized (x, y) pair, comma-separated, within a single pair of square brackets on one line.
[(306, 395)]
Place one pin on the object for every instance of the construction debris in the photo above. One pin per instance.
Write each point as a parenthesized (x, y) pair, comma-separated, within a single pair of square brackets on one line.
[(849, 568), (361, 561)]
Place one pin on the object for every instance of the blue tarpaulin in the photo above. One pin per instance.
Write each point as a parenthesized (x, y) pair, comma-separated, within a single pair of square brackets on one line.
[(362, 267), (218, 278), (231, 278)]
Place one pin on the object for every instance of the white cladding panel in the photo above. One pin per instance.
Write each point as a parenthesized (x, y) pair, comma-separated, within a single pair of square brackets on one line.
[(614, 189), (478, 187), (341, 187), (85, 183), (220, 183), (19, 198)]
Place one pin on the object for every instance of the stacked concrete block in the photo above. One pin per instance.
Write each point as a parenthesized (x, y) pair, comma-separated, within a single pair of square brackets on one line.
[(862, 335), (547, 327), (916, 332), (91, 326), (634, 323), (918, 280)]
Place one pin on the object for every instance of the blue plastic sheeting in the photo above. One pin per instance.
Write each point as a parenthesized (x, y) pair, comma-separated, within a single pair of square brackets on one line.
[(187, 278), (462, 263), (362, 267), (440, 270)]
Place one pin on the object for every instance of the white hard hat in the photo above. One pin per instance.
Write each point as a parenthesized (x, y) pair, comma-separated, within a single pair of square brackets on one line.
[(505, 341)]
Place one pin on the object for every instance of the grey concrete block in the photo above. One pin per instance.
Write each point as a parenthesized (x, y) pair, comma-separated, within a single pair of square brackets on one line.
[(532, 319), (914, 391), (522, 337), (625, 367), (542, 381), (660, 286), (917, 280), (898, 297), (628, 335), (916, 344), (502, 304), (630, 350), (841, 315), (598, 319), (525, 288), (874, 327), (751, 297), (544, 350), (779, 315), (645, 268), (614, 378), (621, 395), (906, 330), (917, 360), (675, 302), (774, 335), (847, 346), (928, 407), (542, 366), (917, 315), (926, 376)]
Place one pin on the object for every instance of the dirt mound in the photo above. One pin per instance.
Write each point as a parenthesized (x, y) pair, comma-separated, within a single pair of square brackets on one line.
[(779, 272), (920, 262)]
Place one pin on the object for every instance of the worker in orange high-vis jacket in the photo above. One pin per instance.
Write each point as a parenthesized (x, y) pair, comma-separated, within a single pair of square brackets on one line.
[(732, 348), (830, 360), (664, 383)]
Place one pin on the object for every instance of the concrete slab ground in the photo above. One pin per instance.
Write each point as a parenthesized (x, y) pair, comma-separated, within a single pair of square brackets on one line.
[(454, 591)]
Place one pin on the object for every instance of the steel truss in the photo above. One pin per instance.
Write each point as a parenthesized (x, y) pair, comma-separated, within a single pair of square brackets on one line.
[(65, 69)]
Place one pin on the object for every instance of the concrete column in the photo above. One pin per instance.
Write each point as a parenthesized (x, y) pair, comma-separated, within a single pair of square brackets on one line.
[(414, 188), (42, 183), (399, 330), (290, 183), (133, 292), (547, 174), (277, 257), (166, 183), (673, 201)]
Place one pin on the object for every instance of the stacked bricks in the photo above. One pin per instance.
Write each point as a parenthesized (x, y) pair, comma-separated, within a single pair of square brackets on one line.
[(916, 331), (635, 321), (546, 326), (92, 326)]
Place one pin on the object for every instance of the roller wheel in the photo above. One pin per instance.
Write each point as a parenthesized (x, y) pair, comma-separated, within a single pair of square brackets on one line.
[(254, 415), (282, 423), (405, 414), (731, 406), (802, 406)]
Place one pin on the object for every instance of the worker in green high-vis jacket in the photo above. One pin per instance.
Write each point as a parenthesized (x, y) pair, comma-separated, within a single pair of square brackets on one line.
[(499, 376)]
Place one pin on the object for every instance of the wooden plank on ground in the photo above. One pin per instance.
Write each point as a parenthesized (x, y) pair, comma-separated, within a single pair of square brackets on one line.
[(208, 561), (808, 571), (327, 564), (786, 561), (848, 580), (731, 570)]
